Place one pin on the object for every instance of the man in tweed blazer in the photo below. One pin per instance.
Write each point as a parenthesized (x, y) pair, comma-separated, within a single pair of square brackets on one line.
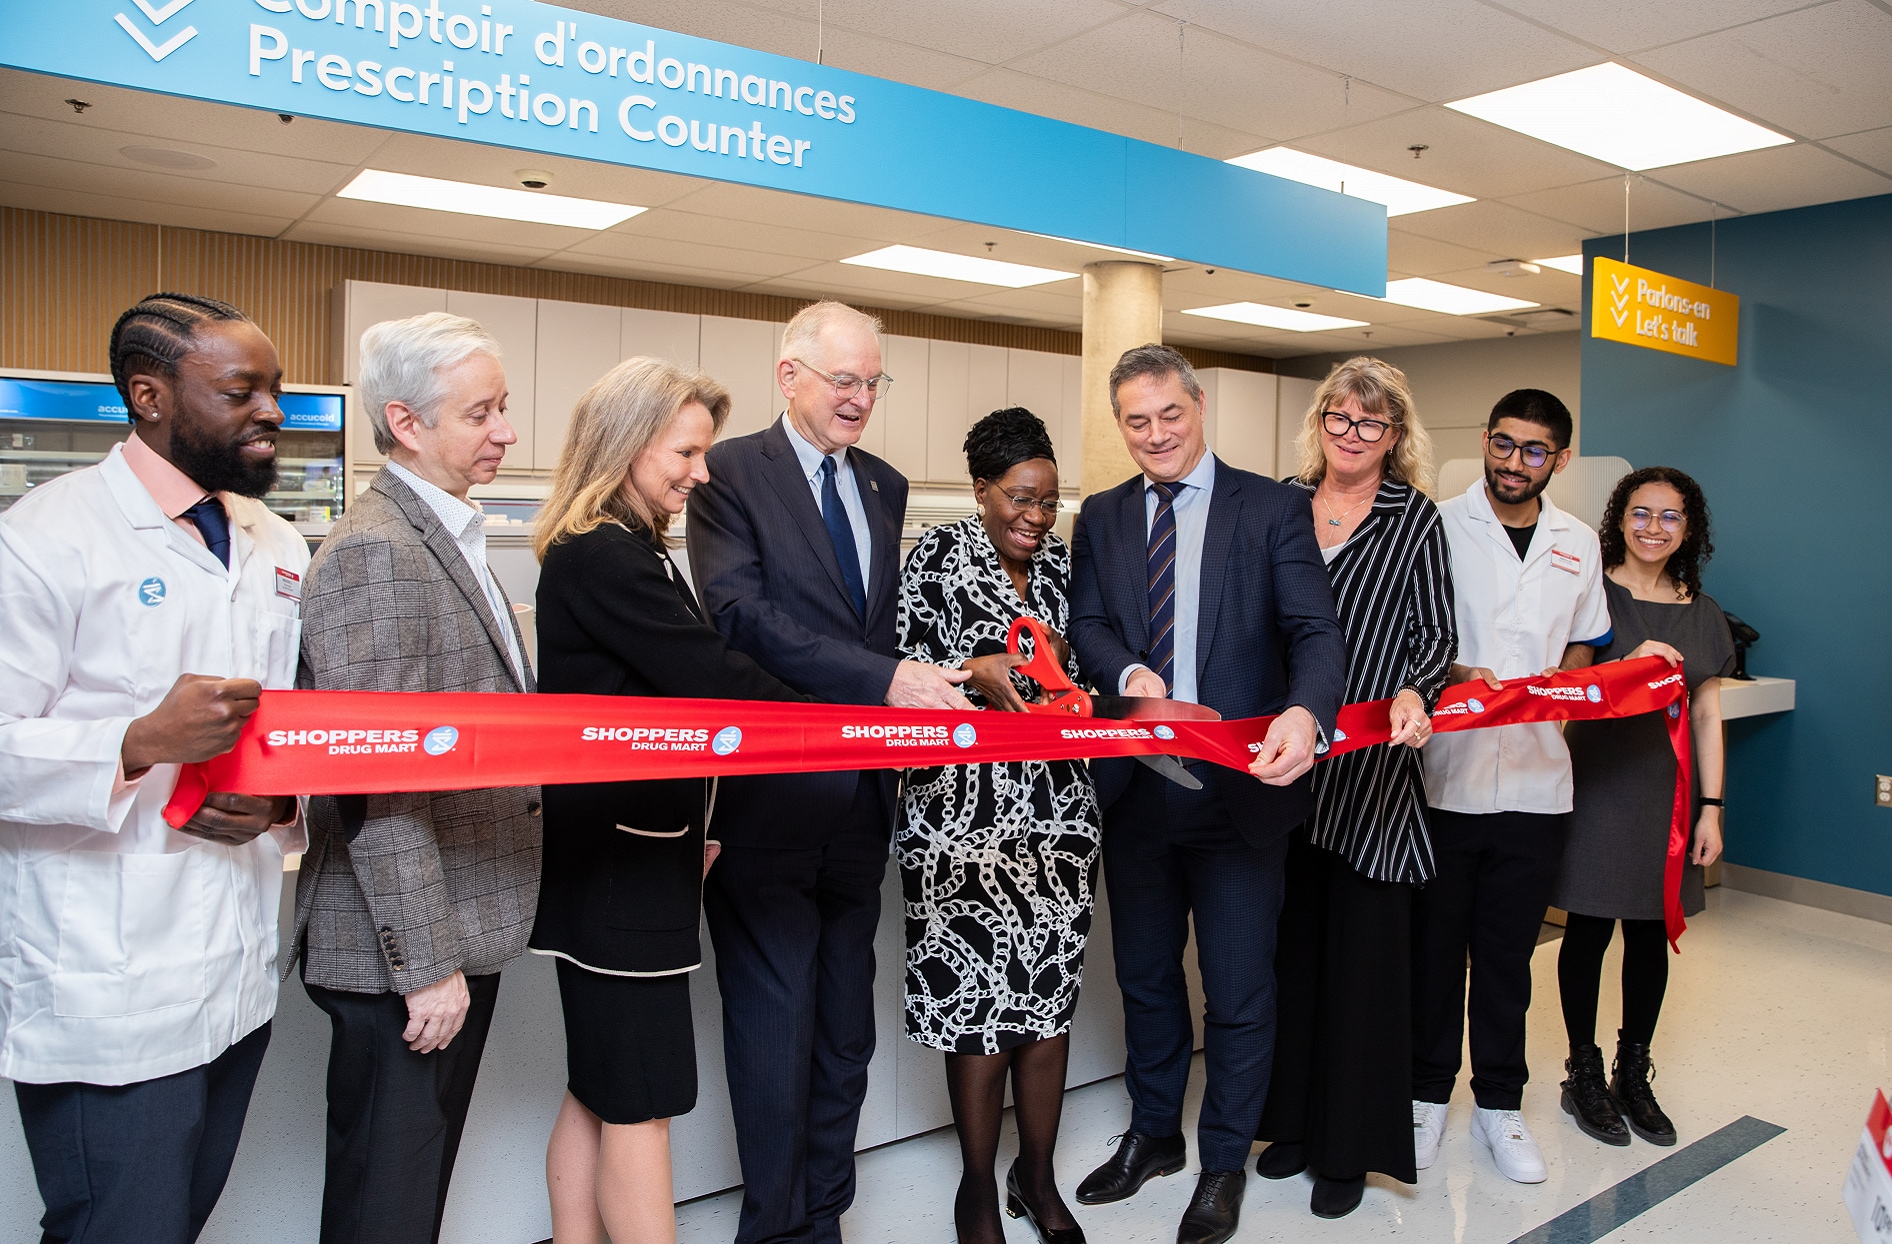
[(408, 905)]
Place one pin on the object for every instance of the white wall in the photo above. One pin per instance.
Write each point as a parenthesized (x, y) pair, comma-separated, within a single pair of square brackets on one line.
[(1455, 384)]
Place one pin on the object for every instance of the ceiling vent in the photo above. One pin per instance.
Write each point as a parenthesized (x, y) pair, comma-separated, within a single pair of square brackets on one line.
[(1544, 319)]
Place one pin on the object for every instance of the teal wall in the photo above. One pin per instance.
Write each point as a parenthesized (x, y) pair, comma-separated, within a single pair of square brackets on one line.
[(1794, 449)]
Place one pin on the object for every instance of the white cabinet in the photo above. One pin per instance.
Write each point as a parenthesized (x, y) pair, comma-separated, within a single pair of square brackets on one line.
[(660, 334), (514, 324), (1241, 417), (1292, 397), (948, 362), (741, 354), (577, 343), (901, 415), (357, 305)]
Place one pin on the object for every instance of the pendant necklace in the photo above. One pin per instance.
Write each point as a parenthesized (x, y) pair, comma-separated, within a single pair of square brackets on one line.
[(1335, 522)]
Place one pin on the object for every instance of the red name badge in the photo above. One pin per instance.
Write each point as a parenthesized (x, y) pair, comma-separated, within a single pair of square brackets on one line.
[(1869, 1181), (1566, 561), (288, 584)]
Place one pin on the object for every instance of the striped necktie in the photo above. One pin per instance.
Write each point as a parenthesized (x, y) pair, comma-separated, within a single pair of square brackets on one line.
[(1162, 565)]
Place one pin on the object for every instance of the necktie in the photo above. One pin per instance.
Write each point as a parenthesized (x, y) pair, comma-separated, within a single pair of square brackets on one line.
[(841, 531), (1163, 585), (214, 524)]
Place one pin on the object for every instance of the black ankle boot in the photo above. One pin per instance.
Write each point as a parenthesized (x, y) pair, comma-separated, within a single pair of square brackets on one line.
[(1587, 1097), (1629, 1085)]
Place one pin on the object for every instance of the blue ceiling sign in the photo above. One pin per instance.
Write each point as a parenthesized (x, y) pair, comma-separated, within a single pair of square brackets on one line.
[(535, 77)]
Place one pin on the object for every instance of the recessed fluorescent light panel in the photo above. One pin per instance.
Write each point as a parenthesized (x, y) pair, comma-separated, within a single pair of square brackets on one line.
[(1573, 264), (1400, 196), (1427, 295), (1618, 115), (922, 262), (438, 195), (1099, 246), (1262, 315)]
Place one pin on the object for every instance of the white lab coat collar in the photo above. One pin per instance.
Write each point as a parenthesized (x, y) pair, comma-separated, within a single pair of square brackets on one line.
[(142, 512), (1549, 519)]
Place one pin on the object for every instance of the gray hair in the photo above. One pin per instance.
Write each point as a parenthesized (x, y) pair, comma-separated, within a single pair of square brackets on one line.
[(803, 334), (404, 361), (1152, 360)]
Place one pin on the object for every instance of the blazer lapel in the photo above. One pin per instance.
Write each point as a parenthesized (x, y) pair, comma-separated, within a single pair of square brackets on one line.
[(1135, 605), (785, 476), (452, 559), (1225, 509)]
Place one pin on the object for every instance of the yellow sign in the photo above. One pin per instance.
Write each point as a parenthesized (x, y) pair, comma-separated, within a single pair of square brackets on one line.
[(1643, 308)]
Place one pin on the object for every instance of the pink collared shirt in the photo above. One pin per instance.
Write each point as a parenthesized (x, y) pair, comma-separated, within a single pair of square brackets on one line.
[(173, 490)]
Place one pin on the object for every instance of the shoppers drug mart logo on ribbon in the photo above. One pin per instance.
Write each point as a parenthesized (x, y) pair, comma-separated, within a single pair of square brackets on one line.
[(727, 740), (1593, 693), (440, 740), (964, 735), (1163, 732)]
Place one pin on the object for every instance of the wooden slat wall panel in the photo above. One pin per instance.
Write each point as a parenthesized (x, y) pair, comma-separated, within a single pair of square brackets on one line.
[(64, 280)]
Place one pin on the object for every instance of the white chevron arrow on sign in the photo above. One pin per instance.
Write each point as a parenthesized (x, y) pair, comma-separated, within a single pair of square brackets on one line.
[(159, 15), (158, 51)]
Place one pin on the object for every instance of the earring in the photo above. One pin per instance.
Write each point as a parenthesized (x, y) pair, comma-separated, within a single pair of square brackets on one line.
[(982, 511)]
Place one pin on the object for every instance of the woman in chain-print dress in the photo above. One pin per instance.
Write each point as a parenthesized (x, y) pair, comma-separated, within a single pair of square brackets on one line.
[(998, 862)]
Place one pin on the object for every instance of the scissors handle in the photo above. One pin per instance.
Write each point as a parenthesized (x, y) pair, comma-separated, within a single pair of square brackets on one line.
[(1061, 694)]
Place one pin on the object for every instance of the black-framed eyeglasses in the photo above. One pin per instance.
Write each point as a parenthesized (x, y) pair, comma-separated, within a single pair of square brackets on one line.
[(846, 386), (1671, 520), (1047, 506), (1339, 423), (1501, 447)]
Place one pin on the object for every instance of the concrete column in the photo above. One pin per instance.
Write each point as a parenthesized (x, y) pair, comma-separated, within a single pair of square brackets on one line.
[(1123, 308)]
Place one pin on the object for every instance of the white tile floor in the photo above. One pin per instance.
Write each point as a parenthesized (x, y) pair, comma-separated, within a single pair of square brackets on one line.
[(1774, 1010)]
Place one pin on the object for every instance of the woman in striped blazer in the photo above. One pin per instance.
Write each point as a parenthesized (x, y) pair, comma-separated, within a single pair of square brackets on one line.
[(1340, 1097)]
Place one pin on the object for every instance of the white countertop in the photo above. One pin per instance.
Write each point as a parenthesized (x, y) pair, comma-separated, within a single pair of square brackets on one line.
[(1755, 697)]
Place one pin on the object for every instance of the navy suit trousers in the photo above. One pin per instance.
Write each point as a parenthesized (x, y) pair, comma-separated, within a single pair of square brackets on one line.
[(1170, 853), (144, 1161), (794, 931)]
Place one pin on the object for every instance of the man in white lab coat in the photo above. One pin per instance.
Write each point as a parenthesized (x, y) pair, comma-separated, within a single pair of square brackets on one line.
[(144, 603)]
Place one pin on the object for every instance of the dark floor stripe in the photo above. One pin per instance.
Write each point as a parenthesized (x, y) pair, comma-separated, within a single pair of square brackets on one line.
[(1611, 1208)]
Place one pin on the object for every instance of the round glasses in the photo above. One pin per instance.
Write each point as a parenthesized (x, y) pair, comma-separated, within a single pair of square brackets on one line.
[(1671, 520), (1501, 447), (1338, 424), (846, 386), (1021, 502)]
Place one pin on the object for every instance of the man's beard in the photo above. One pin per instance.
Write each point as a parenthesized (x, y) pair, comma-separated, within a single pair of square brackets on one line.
[(1502, 491), (219, 466)]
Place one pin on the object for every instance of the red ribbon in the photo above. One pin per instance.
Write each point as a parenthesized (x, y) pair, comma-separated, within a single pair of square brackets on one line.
[(369, 742)]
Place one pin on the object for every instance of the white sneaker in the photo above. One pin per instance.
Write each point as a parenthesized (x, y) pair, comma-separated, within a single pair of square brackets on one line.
[(1516, 1154), (1428, 1129)]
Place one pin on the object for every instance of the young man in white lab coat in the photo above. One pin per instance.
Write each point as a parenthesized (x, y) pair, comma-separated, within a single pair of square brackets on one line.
[(144, 604), (1528, 582)]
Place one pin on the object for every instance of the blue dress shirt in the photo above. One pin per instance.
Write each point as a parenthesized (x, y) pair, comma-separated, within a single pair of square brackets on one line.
[(844, 482), (1191, 508)]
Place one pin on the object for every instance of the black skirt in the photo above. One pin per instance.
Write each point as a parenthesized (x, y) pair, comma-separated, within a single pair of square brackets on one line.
[(630, 1046)]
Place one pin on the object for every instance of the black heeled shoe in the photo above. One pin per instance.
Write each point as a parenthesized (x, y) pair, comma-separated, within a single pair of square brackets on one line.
[(1336, 1198), (1016, 1206)]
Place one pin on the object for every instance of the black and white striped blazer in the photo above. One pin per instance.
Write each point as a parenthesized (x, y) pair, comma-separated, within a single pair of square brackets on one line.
[(1393, 591)]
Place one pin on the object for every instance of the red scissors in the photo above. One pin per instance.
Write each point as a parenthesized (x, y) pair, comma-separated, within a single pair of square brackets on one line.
[(1062, 696)]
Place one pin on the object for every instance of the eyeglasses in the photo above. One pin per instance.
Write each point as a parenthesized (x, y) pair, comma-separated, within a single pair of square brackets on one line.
[(1501, 447), (1670, 519), (1047, 506), (846, 386), (1338, 424)]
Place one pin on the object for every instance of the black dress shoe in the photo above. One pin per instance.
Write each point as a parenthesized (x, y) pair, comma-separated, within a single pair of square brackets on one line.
[(1336, 1198), (1138, 1159), (1284, 1159), (1017, 1207), (1215, 1210)]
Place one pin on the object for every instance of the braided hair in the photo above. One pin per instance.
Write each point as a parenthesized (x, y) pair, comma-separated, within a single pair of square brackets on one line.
[(155, 334), (1690, 555), (1003, 439)]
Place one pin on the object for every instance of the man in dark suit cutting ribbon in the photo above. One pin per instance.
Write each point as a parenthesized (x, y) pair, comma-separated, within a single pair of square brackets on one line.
[(1200, 582), (794, 547)]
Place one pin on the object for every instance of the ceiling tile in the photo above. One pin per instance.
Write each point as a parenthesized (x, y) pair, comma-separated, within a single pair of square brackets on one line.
[(1631, 25), (1779, 177), (331, 233), (184, 121), (1872, 146), (1549, 288), (1817, 72), (991, 31), (666, 222), (427, 156), (1510, 231), (1011, 89), (729, 201), (643, 270), (102, 148), (1597, 207), (1439, 50), (1135, 59), (1464, 154), (43, 198), (741, 264), (184, 190), (1413, 254), (401, 223)]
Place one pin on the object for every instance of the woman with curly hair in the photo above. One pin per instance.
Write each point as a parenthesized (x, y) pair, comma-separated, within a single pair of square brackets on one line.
[(1654, 538)]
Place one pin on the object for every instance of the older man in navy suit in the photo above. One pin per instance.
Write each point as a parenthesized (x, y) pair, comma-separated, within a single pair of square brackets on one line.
[(795, 547), (1199, 582)]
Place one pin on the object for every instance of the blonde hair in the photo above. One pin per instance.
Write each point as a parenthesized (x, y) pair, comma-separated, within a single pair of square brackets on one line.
[(615, 420), (1381, 389)]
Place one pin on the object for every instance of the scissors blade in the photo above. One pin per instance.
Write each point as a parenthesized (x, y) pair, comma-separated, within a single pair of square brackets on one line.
[(1172, 768), (1149, 708)]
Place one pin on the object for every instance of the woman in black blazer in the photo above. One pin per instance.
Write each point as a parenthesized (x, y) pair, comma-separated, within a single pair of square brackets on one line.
[(621, 896)]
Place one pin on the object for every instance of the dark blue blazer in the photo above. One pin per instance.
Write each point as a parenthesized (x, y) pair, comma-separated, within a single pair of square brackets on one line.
[(1267, 637), (764, 568)]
